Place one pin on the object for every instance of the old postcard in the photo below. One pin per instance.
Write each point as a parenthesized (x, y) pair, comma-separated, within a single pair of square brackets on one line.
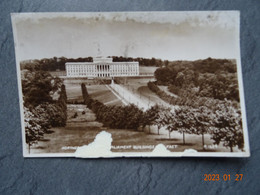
[(134, 84)]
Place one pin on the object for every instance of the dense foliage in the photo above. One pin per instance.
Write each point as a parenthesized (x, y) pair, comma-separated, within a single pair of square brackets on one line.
[(206, 92), (45, 103), (214, 78)]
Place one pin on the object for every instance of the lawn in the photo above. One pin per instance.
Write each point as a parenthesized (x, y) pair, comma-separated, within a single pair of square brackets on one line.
[(165, 89), (139, 88), (98, 92), (147, 69), (73, 91), (103, 94)]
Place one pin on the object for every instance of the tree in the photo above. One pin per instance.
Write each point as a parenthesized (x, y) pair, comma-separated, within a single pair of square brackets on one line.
[(38, 87), (62, 101), (228, 127), (203, 118), (219, 86), (180, 79), (152, 114), (56, 115), (43, 118), (84, 92), (159, 121), (166, 63), (166, 118), (183, 120), (63, 94), (133, 115), (165, 75), (144, 120), (33, 129)]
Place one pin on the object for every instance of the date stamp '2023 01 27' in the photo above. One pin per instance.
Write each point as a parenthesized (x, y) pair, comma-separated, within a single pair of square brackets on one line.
[(224, 177)]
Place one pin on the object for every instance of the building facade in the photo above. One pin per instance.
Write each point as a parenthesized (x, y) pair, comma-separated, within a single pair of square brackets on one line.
[(102, 67)]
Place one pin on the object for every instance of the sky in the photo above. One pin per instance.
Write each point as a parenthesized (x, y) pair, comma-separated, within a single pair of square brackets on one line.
[(164, 35)]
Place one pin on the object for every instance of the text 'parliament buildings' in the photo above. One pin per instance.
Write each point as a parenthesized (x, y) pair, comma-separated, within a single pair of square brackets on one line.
[(102, 67)]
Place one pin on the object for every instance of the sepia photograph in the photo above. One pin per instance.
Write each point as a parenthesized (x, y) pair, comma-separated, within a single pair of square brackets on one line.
[(130, 84)]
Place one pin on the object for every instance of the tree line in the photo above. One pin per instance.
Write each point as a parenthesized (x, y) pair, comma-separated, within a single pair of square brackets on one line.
[(51, 64), (223, 124), (45, 104), (186, 98)]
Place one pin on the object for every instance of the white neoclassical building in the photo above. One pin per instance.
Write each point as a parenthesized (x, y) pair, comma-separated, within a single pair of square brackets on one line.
[(102, 67)]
